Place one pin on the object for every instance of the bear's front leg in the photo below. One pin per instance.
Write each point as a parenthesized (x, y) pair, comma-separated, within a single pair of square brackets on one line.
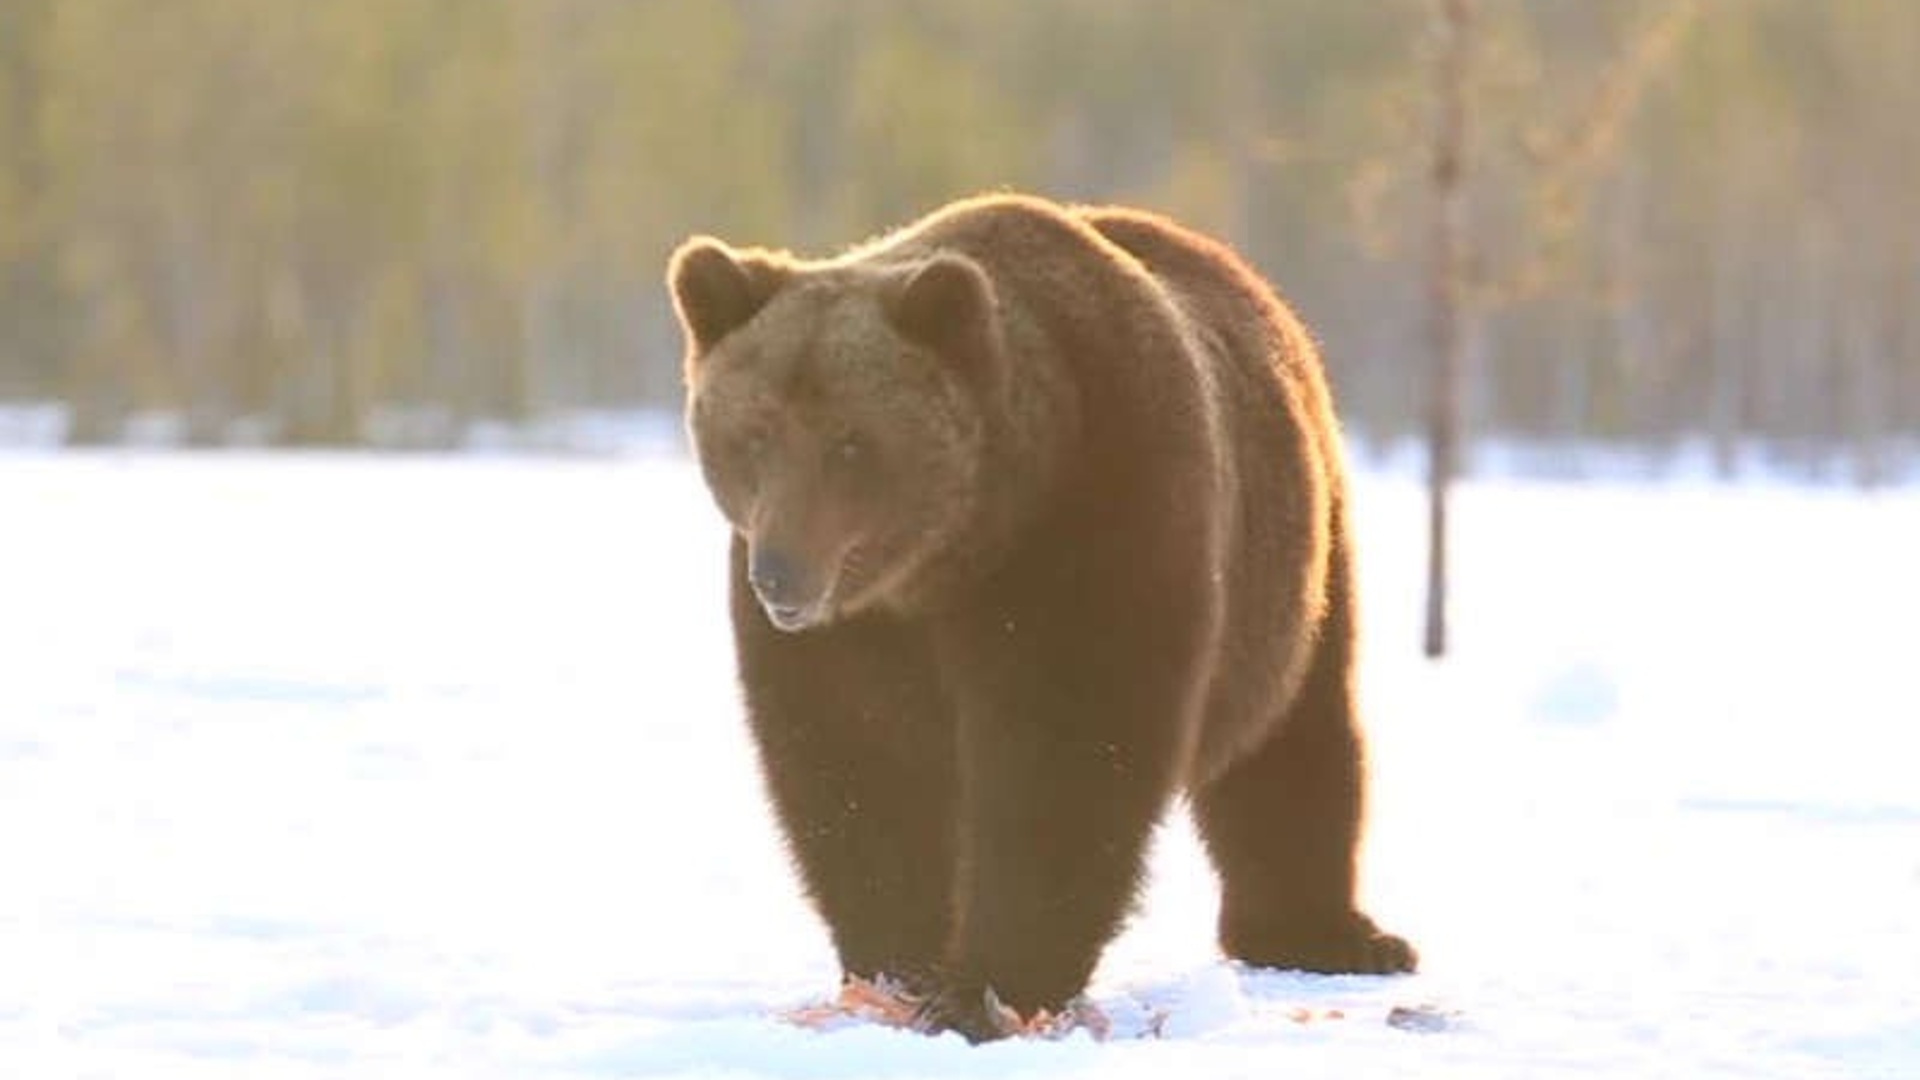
[(852, 736), (1067, 757)]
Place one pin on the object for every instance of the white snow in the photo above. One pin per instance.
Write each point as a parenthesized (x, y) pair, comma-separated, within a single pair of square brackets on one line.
[(361, 767)]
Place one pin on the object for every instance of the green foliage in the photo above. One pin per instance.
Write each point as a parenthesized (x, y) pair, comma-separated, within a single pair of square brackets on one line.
[(314, 214)]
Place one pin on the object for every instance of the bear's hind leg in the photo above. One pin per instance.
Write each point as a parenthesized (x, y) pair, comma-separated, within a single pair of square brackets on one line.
[(1283, 828)]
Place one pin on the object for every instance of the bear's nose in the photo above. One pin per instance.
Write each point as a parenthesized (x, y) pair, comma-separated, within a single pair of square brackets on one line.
[(774, 576)]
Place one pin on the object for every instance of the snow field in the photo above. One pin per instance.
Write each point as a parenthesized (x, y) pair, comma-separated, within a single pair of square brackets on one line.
[(349, 766)]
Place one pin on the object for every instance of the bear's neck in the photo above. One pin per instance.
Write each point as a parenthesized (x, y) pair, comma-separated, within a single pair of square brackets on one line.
[(1028, 444)]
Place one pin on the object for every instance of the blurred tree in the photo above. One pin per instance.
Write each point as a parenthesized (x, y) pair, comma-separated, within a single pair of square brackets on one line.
[(398, 219), (29, 297)]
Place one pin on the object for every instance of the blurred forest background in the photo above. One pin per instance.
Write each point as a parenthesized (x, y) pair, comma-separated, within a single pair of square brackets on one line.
[(399, 222)]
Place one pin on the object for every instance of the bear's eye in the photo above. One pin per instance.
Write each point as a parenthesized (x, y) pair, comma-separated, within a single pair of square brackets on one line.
[(751, 448), (849, 449), (754, 444)]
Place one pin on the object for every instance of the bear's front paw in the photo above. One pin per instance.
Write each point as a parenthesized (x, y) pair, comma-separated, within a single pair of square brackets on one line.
[(969, 1007)]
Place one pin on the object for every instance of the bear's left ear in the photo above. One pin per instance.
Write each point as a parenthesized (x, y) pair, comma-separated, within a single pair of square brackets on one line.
[(948, 304), (717, 289)]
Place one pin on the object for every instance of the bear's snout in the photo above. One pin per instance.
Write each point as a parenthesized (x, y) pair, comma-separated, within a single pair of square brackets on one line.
[(786, 591)]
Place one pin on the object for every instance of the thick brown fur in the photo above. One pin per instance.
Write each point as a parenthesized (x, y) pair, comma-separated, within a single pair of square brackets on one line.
[(1040, 521)]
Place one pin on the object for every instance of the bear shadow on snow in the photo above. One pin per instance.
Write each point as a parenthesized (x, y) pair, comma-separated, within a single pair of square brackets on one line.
[(1039, 521)]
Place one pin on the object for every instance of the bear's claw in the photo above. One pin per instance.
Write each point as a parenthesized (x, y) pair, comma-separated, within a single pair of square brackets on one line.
[(975, 1012)]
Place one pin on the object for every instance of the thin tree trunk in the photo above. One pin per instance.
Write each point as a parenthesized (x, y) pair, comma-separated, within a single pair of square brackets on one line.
[(1452, 28)]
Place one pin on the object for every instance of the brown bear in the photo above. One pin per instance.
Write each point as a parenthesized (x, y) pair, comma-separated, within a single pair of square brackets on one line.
[(1040, 521)]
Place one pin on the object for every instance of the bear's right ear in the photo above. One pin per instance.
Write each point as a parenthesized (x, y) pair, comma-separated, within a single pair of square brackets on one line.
[(716, 290)]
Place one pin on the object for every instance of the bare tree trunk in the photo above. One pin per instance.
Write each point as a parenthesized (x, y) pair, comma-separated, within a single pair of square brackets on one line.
[(1729, 390), (1860, 354), (1452, 29)]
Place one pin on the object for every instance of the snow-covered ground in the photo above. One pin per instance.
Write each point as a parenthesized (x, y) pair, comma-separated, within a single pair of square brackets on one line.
[(351, 767)]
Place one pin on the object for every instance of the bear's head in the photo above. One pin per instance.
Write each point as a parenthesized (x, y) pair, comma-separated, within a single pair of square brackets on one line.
[(838, 413)]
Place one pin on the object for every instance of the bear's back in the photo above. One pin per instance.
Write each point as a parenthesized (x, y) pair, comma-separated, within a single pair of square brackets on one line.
[(1279, 428)]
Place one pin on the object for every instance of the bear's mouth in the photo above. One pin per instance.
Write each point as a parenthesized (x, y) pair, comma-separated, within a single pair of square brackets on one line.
[(795, 617)]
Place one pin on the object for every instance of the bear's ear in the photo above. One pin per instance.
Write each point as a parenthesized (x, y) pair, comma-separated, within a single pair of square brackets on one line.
[(948, 303), (716, 289)]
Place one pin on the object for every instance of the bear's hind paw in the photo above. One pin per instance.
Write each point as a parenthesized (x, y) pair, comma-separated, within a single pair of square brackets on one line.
[(1355, 946)]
